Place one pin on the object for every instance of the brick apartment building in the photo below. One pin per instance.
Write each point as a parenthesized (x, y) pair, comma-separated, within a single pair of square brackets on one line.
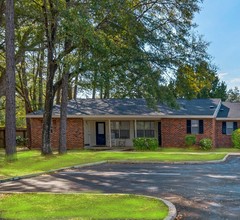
[(115, 122)]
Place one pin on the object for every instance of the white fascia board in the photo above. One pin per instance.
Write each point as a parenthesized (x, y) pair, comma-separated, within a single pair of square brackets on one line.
[(144, 116), (217, 109), (228, 119), (127, 116), (34, 116)]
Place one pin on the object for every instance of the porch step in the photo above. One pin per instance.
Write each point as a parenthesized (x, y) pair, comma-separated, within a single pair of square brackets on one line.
[(106, 148)]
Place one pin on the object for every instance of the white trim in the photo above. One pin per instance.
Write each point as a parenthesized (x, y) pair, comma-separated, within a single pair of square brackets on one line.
[(217, 109), (147, 117), (135, 128), (110, 133), (228, 119)]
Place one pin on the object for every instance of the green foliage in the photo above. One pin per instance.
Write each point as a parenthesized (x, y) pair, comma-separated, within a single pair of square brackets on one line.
[(236, 138), (206, 144), (21, 141), (20, 113), (122, 49), (2, 112), (197, 81), (234, 95), (219, 89), (190, 140), (145, 144)]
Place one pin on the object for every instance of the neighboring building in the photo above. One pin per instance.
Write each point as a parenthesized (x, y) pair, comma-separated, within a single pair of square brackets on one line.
[(115, 122)]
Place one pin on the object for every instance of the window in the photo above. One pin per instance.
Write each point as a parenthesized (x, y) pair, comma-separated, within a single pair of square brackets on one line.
[(145, 129), (120, 129), (228, 127), (195, 127)]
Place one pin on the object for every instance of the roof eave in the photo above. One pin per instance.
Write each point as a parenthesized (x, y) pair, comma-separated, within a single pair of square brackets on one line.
[(127, 116), (228, 119)]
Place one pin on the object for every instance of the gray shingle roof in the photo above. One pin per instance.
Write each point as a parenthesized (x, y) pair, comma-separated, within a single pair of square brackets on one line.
[(203, 107), (229, 110), (101, 107)]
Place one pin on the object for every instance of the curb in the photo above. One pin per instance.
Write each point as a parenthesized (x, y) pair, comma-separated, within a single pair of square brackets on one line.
[(50, 171), (117, 162), (170, 162), (172, 211)]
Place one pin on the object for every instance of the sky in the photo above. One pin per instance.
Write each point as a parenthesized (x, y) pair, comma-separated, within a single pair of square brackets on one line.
[(219, 23)]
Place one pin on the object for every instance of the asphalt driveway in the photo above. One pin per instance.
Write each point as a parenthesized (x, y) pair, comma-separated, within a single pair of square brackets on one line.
[(199, 191)]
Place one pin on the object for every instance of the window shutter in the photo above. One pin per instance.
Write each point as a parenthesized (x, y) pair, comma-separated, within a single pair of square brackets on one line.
[(224, 127), (188, 126), (235, 125), (201, 129)]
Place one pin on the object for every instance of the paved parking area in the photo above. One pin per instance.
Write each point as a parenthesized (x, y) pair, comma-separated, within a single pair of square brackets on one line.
[(199, 191)]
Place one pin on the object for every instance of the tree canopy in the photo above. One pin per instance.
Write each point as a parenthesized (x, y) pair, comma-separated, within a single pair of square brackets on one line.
[(106, 49)]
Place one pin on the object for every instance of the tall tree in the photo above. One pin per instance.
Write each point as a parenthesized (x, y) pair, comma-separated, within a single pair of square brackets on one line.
[(118, 49), (218, 89), (50, 22), (64, 99), (10, 82), (234, 95), (194, 81)]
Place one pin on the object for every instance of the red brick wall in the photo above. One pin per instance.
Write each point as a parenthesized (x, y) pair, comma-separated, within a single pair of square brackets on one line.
[(75, 133), (175, 130), (36, 132), (223, 140)]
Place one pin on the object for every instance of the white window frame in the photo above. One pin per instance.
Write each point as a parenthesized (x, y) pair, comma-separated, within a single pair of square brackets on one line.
[(119, 128), (194, 126), (229, 127), (144, 127)]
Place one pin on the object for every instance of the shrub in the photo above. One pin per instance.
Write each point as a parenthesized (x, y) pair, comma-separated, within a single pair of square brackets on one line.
[(190, 140), (205, 144), (21, 141), (145, 144), (236, 138)]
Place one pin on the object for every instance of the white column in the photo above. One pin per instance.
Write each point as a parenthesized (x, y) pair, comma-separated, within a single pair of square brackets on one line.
[(135, 127), (110, 136)]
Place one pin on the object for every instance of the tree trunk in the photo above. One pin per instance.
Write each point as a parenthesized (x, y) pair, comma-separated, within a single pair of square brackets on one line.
[(64, 101), (50, 31), (3, 84), (70, 92), (28, 107), (94, 85), (58, 96), (40, 80), (47, 116), (63, 116), (75, 88), (2, 10), (10, 83)]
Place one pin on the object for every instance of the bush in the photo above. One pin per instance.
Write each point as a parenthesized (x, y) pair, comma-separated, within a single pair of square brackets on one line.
[(205, 144), (145, 144), (190, 140), (21, 141), (236, 138)]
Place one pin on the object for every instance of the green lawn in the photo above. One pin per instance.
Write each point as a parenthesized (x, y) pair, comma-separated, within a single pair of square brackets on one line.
[(80, 206), (32, 162), (88, 206)]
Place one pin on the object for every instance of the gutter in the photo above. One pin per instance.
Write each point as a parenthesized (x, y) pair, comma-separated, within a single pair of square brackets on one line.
[(130, 116)]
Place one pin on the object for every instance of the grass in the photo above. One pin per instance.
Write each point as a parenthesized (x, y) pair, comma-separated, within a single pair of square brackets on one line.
[(80, 206), (32, 162), (88, 206)]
